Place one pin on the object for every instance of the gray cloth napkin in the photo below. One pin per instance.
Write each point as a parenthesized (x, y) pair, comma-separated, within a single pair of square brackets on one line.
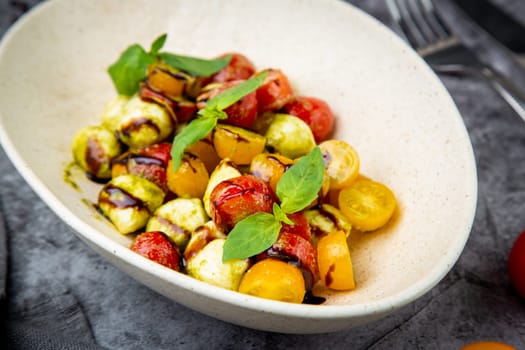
[(51, 320)]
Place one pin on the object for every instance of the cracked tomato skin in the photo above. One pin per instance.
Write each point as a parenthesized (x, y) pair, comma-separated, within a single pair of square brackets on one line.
[(156, 246), (516, 264), (242, 113), (234, 199), (314, 112), (239, 68)]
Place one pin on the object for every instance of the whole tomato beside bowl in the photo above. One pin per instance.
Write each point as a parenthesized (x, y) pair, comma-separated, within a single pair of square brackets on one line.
[(516, 264)]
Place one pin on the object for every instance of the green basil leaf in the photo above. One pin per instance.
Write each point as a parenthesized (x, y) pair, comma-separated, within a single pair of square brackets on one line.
[(196, 130), (158, 44), (234, 94), (280, 215), (212, 113), (130, 69), (250, 236), (193, 65), (200, 127), (301, 183)]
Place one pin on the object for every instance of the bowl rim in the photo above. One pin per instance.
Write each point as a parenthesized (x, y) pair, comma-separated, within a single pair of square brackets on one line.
[(180, 280)]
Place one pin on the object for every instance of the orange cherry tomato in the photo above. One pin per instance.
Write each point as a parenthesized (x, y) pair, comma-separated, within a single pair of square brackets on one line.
[(274, 279), (367, 204), (190, 180), (237, 144), (488, 345), (335, 264), (167, 81), (205, 150)]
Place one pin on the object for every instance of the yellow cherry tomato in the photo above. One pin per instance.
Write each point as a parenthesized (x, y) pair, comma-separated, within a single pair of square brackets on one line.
[(341, 162), (190, 180), (274, 279), (167, 80), (270, 167), (335, 264), (488, 345), (367, 204), (237, 144), (205, 150)]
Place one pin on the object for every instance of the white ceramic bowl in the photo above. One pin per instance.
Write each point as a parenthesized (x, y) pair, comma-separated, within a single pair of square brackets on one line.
[(389, 105)]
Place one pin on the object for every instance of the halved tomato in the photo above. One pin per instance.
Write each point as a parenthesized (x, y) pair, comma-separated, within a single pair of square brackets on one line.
[(274, 279), (335, 264), (341, 161), (367, 204)]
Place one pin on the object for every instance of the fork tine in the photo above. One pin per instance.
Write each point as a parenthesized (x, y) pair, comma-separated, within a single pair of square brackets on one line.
[(434, 20), (419, 15), (393, 9), (404, 21)]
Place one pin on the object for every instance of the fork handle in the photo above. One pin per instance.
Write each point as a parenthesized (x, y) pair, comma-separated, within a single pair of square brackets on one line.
[(514, 97), (507, 90)]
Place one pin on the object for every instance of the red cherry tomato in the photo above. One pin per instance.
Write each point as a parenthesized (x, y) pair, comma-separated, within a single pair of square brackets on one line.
[(149, 162), (275, 92), (156, 246), (234, 199), (239, 68), (242, 113), (160, 151), (299, 227), (314, 112), (516, 264)]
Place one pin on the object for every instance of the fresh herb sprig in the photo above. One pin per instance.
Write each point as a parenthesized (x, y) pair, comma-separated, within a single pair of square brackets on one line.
[(297, 188), (131, 67), (208, 117)]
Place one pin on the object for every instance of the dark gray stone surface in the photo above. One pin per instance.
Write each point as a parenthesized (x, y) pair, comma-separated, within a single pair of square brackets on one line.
[(475, 301)]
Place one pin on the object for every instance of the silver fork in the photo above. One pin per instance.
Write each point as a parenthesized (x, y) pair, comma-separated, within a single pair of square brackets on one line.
[(419, 24)]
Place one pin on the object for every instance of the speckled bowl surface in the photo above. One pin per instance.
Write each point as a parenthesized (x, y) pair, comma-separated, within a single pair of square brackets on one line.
[(389, 105)]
